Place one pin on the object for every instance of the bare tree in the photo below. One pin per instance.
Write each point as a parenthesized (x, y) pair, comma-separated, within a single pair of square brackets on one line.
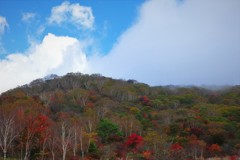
[(53, 141), (66, 138), (7, 133)]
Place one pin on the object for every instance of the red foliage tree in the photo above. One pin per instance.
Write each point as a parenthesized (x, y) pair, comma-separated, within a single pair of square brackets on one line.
[(233, 157), (134, 141), (147, 154), (34, 130), (176, 152), (90, 105), (144, 100), (176, 147), (214, 149), (40, 124)]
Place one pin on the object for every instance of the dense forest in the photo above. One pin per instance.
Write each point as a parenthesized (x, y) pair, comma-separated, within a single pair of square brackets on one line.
[(88, 117)]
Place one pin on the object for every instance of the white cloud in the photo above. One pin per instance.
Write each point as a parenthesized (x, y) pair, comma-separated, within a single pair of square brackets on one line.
[(193, 42), (40, 29), (3, 24), (2, 49), (26, 17), (80, 16), (54, 54)]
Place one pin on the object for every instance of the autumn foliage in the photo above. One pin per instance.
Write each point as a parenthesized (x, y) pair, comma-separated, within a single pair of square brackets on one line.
[(134, 140), (176, 147), (81, 116), (147, 154), (215, 148), (144, 100)]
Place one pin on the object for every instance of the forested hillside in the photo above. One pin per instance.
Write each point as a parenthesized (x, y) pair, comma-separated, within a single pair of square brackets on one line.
[(81, 116)]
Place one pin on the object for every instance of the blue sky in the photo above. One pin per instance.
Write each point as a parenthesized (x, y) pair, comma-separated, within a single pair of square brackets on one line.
[(158, 42), (111, 18)]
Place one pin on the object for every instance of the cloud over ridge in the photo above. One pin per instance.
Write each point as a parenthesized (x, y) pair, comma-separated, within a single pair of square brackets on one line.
[(191, 42)]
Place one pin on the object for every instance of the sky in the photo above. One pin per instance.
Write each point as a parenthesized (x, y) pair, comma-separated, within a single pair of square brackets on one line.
[(158, 42)]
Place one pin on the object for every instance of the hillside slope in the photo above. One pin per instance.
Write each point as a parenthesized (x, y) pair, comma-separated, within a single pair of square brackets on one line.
[(96, 117)]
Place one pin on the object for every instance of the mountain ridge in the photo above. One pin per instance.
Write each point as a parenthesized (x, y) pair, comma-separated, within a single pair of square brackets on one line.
[(46, 79)]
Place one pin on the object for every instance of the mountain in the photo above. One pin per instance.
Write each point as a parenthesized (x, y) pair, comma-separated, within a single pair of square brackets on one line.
[(97, 117)]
